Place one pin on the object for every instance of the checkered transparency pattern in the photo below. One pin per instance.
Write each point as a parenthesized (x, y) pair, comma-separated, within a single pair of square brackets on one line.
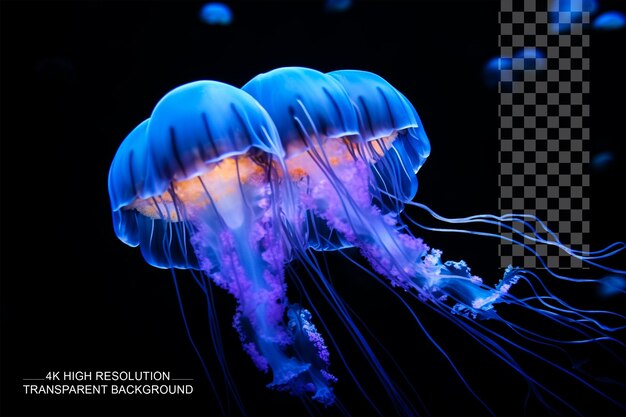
[(544, 134)]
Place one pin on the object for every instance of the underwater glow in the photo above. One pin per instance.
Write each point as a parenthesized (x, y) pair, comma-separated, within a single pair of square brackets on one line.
[(564, 14), (216, 14), (492, 71), (602, 160), (609, 21), (533, 59), (524, 59), (335, 6), (612, 285), (238, 185)]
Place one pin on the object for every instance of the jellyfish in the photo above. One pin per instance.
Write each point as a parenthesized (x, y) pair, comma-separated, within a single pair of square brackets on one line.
[(332, 162), (216, 14), (353, 144), (195, 186), (391, 129), (240, 186)]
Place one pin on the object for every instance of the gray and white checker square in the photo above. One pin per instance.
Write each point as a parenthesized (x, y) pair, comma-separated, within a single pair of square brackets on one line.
[(544, 134)]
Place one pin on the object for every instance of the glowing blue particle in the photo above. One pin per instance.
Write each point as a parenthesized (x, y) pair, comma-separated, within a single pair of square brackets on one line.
[(216, 14), (574, 6), (492, 71), (531, 53), (609, 21), (612, 285), (334, 6), (529, 59), (568, 15), (602, 160)]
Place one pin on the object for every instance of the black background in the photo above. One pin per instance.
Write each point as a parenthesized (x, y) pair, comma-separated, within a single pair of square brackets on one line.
[(78, 76)]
